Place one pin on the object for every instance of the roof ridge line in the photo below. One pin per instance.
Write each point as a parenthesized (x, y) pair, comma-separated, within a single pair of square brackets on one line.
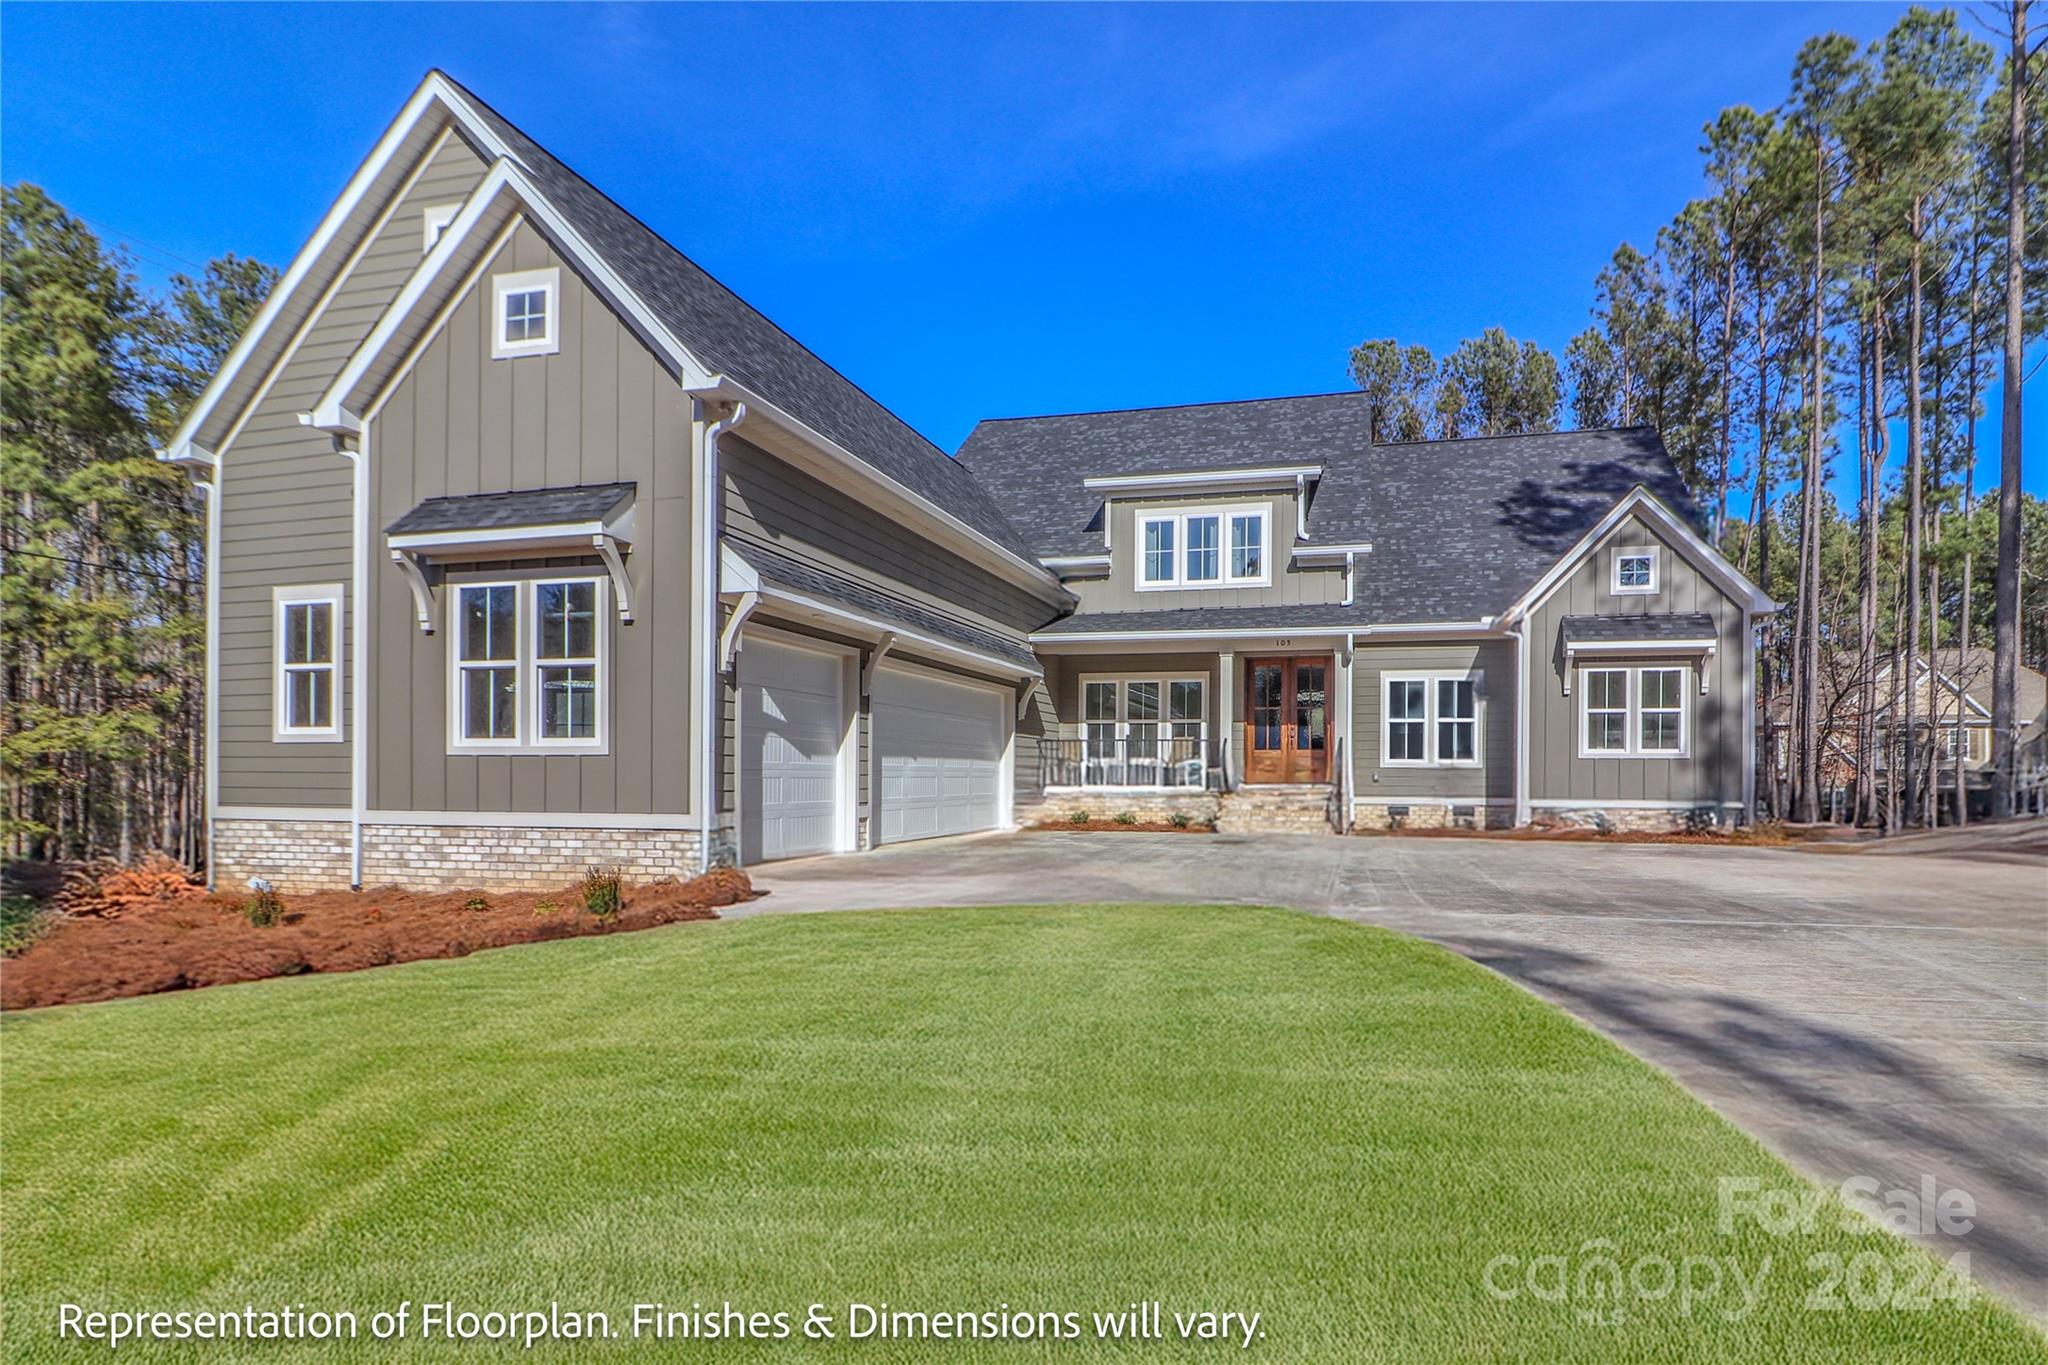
[(1518, 435), (1173, 407)]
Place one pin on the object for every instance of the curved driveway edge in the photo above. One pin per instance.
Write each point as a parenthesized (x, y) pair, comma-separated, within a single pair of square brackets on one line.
[(1877, 1017)]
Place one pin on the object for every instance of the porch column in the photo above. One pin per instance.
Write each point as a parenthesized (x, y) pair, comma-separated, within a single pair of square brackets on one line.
[(1226, 706)]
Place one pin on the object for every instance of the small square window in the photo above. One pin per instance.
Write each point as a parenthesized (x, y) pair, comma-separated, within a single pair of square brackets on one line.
[(1635, 570), (524, 313)]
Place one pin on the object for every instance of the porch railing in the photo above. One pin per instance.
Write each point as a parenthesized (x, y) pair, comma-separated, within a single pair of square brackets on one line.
[(1193, 764)]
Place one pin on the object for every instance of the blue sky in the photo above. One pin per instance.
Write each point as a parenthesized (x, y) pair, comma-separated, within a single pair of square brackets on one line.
[(972, 210)]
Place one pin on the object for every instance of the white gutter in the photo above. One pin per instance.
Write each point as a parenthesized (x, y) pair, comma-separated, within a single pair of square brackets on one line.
[(1192, 480), (1141, 636), (1485, 625), (708, 535)]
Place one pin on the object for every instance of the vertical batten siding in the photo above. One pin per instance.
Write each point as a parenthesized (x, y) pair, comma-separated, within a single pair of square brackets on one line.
[(287, 516), (600, 410), (1712, 773), (1291, 585), (1494, 779)]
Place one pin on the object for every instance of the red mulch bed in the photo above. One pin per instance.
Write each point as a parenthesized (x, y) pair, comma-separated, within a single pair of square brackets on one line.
[(204, 940), (1112, 827)]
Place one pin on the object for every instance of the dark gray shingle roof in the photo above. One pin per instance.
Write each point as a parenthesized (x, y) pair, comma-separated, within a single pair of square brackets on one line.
[(1213, 618), (1460, 529), (812, 581), (1035, 465), (1676, 625), (731, 337), (531, 507)]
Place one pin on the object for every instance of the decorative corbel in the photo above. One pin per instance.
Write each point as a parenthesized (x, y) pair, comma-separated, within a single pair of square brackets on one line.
[(607, 548), (422, 590), (729, 638), (867, 672), (1026, 697)]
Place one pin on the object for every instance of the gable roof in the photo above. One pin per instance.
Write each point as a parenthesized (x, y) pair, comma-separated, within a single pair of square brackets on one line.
[(731, 337)]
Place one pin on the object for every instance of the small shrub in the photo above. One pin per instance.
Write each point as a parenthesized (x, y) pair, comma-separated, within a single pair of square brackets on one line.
[(476, 904), (1180, 819), (1077, 817), (1125, 817), (22, 922), (264, 908), (603, 891), (545, 907)]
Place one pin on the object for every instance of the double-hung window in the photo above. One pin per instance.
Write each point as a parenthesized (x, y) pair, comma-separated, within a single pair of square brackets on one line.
[(1223, 547), (529, 664), (1430, 721), (1638, 712), (308, 629), (1457, 721), (525, 321)]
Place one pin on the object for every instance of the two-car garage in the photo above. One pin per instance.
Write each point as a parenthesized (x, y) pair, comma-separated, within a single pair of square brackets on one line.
[(937, 752)]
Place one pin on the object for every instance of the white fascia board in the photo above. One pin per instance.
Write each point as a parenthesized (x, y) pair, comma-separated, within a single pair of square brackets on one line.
[(899, 636), (1485, 625), (1075, 561), (431, 92), (1189, 481), (1363, 547), (1107, 637), (1640, 499), (1640, 646), (507, 537), (722, 389)]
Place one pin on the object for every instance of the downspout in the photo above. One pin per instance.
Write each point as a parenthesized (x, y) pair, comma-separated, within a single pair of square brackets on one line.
[(212, 703), (359, 678), (1522, 721), (707, 577)]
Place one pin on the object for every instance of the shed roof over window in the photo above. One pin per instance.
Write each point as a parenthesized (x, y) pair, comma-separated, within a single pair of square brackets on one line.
[(532, 507), (1676, 627)]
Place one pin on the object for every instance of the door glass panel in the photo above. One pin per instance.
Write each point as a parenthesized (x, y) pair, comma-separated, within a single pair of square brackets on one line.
[(1311, 702), (1266, 717)]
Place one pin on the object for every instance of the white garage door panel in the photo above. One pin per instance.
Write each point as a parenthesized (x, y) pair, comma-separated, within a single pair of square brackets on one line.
[(939, 747), (790, 721)]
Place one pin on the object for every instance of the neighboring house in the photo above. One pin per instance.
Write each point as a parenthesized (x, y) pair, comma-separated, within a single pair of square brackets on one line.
[(533, 547), (1952, 710)]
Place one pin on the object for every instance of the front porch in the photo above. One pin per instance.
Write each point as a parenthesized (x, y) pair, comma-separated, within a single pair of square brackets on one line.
[(1158, 723)]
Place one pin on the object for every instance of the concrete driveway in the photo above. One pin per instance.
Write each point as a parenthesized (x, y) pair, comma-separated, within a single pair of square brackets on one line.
[(1864, 1016)]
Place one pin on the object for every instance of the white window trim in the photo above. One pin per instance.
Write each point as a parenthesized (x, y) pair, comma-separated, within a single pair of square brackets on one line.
[(1475, 676), (549, 282), (526, 663), (1632, 733), (1224, 514), (281, 731), (434, 220), (1122, 682), (1621, 552)]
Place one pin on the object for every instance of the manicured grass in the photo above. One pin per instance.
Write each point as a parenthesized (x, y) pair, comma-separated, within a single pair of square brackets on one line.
[(1053, 1109)]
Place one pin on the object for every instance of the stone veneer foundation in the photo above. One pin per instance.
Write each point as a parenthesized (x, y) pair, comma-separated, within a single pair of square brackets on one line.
[(313, 855), (1434, 815), (1055, 806)]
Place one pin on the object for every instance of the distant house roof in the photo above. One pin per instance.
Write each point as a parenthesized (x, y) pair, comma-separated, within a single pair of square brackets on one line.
[(732, 338), (1656, 626), (809, 580), (1459, 529), (531, 507)]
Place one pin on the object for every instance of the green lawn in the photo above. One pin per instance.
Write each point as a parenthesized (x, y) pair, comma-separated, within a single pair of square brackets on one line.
[(1055, 1109)]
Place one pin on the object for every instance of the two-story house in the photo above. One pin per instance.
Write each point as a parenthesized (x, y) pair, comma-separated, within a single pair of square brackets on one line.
[(534, 546)]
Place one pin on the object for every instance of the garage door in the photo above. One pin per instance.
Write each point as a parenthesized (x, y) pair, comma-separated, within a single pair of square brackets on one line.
[(939, 746), (790, 724)]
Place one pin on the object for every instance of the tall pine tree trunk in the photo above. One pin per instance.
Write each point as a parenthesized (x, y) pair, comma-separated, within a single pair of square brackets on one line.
[(2005, 628), (1915, 460)]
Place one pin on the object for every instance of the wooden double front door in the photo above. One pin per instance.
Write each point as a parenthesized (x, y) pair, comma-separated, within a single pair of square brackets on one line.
[(1287, 719)]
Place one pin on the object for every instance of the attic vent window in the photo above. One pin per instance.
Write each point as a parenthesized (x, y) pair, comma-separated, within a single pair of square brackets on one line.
[(434, 220), (1635, 571), (526, 304)]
